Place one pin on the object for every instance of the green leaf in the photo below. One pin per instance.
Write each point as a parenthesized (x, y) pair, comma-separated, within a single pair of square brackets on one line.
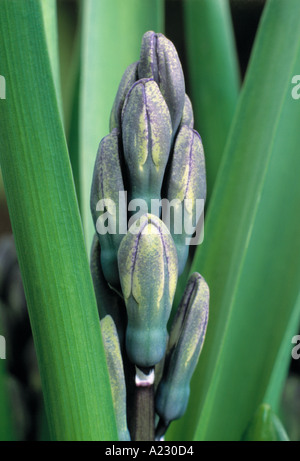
[(283, 360), (250, 255), (69, 53), (112, 33), (213, 75), (2, 194), (73, 136), (49, 11), (48, 234), (6, 433), (265, 427)]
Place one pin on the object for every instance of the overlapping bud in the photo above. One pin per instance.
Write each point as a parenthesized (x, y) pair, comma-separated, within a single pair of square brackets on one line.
[(108, 301), (107, 198), (186, 188), (152, 154), (148, 272), (116, 374), (185, 343), (187, 114), (159, 60), (130, 76), (147, 132)]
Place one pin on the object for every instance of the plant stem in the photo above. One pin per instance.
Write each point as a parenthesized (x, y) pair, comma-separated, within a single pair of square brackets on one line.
[(143, 425)]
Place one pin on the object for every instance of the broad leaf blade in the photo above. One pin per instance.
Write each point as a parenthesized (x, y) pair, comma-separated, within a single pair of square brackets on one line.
[(250, 257), (265, 426), (6, 432), (48, 234), (49, 11), (281, 367), (213, 75)]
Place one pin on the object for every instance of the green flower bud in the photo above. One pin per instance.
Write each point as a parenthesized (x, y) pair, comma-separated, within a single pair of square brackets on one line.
[(116, 375), (148, 274), (188, 114), (108, 198), (186, 185), (159, 60), (185, 343), (129, 77), (146, 129), (108, 301)]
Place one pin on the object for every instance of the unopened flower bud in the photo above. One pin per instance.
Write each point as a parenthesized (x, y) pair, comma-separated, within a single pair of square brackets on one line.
[(187, 114), (146, 129), (159, 60), (116, 374), (185, 343), (129, 77), (186, 185), (108, 301), (148, 274), (108, 198)]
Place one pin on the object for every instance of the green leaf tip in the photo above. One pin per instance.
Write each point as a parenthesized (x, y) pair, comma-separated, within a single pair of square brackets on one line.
[(265, 426)]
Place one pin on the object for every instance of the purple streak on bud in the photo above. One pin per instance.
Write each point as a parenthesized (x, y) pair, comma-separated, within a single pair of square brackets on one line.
[(159, 60), (185, 344), (148, 275), (186, 182), (146, 130)]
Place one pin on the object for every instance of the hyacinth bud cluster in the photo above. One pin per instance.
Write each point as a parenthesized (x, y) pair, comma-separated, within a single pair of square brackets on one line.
[(152, 154)]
